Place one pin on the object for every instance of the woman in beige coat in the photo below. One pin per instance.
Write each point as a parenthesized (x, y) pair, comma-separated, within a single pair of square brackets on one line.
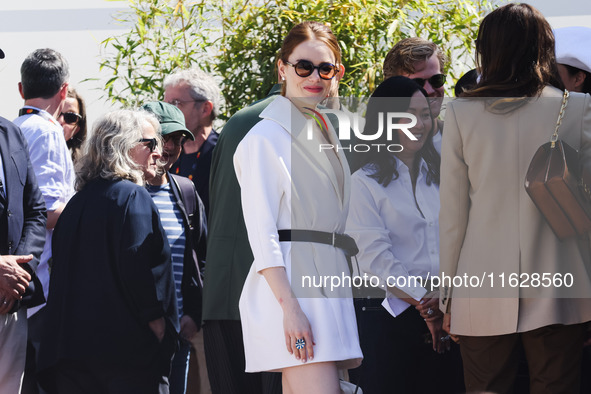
[(497, 251)]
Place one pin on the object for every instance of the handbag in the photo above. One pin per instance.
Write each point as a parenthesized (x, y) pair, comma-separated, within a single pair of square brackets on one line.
[(349, 388), (557, 185)]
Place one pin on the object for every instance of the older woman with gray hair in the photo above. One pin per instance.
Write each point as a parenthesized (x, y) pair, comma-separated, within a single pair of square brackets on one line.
[(111, 321)]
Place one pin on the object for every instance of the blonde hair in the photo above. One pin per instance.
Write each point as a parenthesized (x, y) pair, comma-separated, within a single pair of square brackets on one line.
[(107, 150), (403, 57)]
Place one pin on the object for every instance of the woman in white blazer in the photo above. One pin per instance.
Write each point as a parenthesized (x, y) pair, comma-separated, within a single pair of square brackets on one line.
[(292, 190), (491, 231)]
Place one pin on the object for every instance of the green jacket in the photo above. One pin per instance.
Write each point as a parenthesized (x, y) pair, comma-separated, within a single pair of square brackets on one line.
[(228, 253)]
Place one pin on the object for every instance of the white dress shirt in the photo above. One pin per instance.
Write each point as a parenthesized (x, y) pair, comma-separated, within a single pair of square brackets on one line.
[(54, 171), (394, 237)]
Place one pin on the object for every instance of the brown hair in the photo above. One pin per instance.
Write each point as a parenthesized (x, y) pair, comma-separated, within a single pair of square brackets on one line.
[(403, 57), (305, 31), (515, 53), (75, 143)]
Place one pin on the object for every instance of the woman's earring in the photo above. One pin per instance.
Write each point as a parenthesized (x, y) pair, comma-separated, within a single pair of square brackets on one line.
[(283, 78)]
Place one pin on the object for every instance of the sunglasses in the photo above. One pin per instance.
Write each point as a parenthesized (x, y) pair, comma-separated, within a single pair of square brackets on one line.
[(152, 142), (437, 81), (305, 68), (177, 140), (71, 117)]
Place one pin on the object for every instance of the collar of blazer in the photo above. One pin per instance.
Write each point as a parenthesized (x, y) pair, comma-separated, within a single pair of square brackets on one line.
[(294, 123), (285, 113)]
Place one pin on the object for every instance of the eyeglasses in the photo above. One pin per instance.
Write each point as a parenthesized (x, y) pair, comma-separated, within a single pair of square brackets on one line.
[(152, 142), (71, 117), (176, 102), (437, 81), (305, 68), (177, 140)]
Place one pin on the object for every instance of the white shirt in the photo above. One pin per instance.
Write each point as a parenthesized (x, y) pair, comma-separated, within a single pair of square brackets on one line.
[(394, 238), (54, 171)]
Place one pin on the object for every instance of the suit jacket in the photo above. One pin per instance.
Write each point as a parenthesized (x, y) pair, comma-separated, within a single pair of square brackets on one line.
[(22, 212), (228, 253), (490, 228)]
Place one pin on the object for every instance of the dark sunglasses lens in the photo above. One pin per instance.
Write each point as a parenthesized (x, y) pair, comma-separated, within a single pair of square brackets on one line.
[(152, 145), (70, 118), (304, 68), (326, 70), (420, 81), (437, 81)]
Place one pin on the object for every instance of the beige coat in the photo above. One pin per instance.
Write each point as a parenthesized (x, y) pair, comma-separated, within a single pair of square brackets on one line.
[(490, 228)]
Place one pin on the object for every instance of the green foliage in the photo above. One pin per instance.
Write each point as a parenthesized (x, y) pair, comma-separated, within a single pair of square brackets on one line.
[(237, 41)]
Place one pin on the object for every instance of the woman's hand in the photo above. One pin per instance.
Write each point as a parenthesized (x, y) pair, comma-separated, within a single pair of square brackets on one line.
[(428, 307), (447, 327), (299, 338), (441, 341)]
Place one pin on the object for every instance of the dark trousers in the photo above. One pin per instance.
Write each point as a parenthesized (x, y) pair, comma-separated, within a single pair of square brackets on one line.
[(398, 356), (84, 377), (553, 355), (35, 329), (224, 356)]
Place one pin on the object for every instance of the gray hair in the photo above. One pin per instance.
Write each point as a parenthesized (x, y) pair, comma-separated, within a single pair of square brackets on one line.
[(106, 151), (43, 73), (203, 86)]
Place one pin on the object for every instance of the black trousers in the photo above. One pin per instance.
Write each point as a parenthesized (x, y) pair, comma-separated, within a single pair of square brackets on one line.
[(224, 356), (86, 377), (397, 355)]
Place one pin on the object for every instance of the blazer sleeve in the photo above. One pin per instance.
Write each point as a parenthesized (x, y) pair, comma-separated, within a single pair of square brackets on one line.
[(259, 167), (143, 247), (455, 202), (586, 135)]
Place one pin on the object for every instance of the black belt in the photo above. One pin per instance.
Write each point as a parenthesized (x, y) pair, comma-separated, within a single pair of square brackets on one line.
[(341, 241)]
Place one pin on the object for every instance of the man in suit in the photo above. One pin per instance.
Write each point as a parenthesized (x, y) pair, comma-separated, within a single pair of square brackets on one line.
[(228, 261), (22, 236), (44, 86)]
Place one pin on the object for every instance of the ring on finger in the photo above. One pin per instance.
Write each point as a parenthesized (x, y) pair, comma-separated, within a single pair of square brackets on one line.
[(430, 312), (300, 343)]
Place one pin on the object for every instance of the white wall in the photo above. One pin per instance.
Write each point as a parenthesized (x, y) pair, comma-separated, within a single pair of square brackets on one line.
[(74, 28)]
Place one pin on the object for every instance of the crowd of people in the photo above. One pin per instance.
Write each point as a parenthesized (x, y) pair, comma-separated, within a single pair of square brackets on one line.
[(152, 249)]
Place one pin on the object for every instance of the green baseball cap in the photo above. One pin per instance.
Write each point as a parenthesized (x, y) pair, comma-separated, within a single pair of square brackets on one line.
[(171, 118)]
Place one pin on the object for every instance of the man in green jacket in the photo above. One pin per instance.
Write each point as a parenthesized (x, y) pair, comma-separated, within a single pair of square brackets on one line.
[(229, 258)]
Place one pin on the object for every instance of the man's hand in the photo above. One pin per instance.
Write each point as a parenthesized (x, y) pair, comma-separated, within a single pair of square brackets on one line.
[(14, 280), (158, 327), (188, 328), (6, 304)]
